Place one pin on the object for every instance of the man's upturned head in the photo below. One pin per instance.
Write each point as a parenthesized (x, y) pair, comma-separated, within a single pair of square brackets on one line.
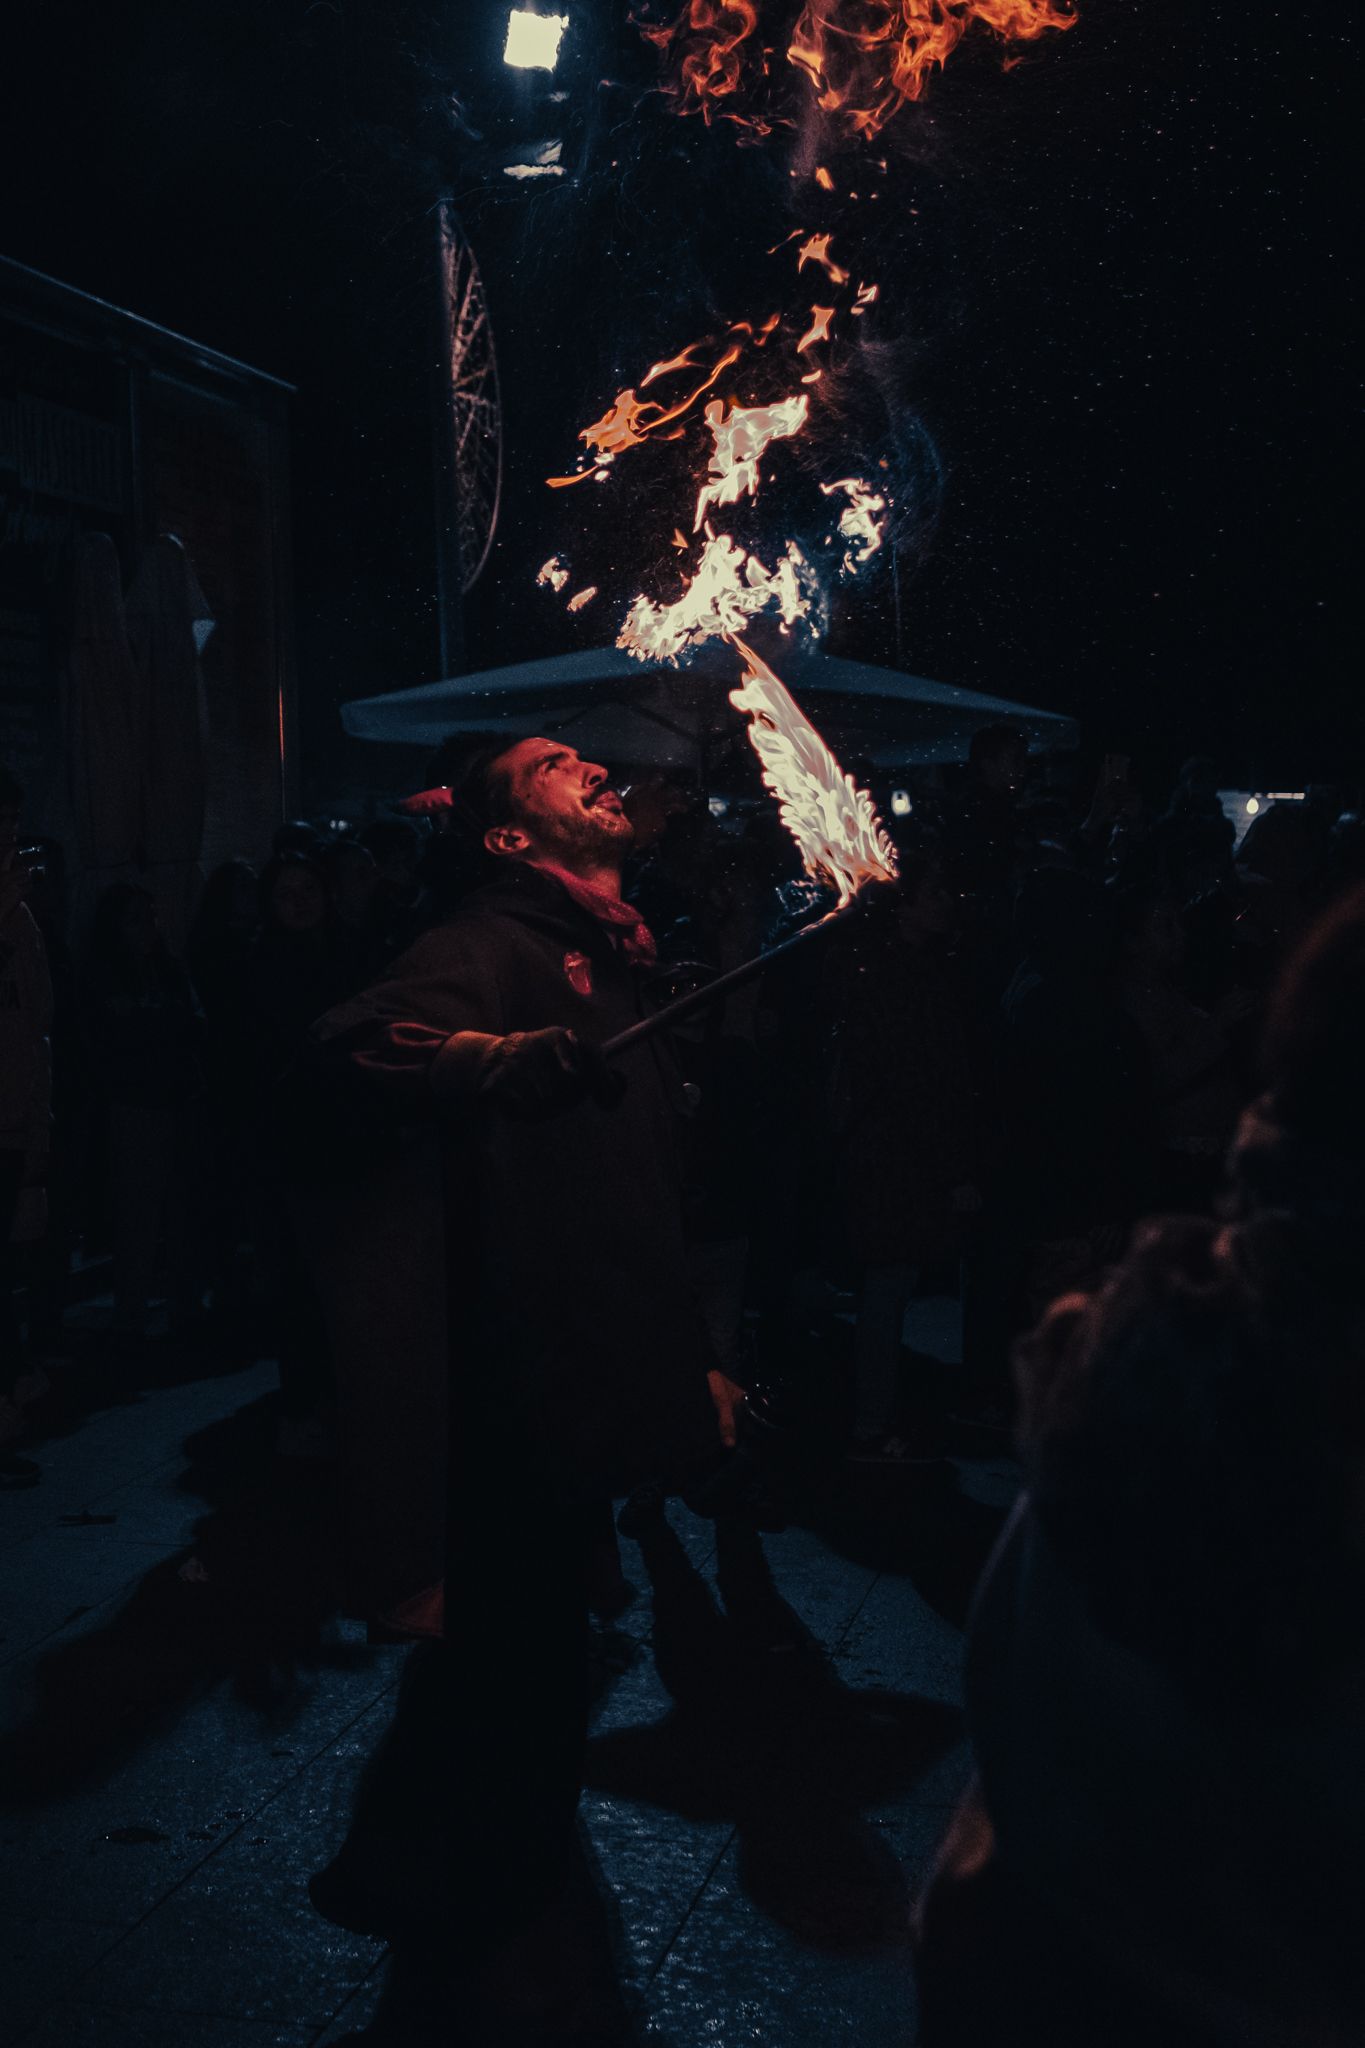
[(537, 800)]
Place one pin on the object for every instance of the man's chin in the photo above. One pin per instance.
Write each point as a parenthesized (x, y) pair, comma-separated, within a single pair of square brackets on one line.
[(611, 828), (600, 833)]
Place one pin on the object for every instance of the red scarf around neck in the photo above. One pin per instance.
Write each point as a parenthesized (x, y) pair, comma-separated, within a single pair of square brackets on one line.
[(620, 918)]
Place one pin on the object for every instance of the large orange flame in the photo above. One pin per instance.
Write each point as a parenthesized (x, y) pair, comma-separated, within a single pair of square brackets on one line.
[(712, 49), (629, 420), (864, 59), (834, 823)]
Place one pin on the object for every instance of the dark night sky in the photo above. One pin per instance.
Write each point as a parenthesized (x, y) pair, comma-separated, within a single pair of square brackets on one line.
[(1119, 309)]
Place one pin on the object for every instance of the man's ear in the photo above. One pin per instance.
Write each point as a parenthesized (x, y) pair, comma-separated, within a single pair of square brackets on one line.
[(506, 840)]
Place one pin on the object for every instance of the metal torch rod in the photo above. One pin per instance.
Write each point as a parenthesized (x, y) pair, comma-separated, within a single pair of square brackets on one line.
[(735, 977)]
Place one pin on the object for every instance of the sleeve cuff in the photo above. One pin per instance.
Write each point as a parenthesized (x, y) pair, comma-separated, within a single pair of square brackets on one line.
[(453, 1075)]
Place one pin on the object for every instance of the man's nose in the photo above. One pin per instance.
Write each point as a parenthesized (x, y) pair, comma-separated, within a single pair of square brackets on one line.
[(593, 774)]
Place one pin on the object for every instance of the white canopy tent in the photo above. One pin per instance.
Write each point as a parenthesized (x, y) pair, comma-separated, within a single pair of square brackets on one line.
[(650, 715)]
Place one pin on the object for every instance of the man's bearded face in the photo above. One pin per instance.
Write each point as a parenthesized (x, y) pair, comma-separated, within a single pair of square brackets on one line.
[(563, 804)]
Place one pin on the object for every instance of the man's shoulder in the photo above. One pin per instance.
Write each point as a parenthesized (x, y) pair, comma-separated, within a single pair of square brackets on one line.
[(501, 901), (517, 911), (523, 900)]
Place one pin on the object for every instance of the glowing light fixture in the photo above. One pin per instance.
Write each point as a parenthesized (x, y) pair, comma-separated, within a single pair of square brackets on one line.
[(533, 40), (900, 803), (1253, 805)]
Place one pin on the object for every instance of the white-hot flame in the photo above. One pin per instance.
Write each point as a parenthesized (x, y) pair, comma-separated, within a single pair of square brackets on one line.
[(862, 521), (730, 587), (738, 440), (841, 838), (835, 824)]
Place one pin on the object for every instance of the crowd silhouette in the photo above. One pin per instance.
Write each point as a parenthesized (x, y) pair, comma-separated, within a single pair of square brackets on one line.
[(1091, 1067)]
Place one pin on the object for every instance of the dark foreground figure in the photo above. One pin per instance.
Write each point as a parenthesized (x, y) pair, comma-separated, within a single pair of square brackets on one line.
[(579, 1365), (1166, 1668)]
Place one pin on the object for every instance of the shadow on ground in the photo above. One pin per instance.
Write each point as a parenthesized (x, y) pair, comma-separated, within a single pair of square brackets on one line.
[(763, 1734), (252, 1601), (549, 1982), (915, 1521)]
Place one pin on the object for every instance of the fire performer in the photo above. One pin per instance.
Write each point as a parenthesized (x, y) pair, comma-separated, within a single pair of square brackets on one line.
[(580, 1364)]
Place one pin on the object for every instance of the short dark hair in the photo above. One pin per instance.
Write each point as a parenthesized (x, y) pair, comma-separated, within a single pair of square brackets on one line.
[(483, 787)]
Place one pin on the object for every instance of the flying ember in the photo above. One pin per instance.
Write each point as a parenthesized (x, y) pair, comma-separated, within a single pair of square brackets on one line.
[(818, 330), (816, 250)]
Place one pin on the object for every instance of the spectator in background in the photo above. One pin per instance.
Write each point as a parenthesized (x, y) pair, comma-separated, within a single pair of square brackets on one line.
[(1345, 866), (221, 941), (357, 912), (142, 1030), (395, 845), (1076, 1091), (904, 1110), (1166, 1671), (1113, 830), (295, 970), (1280, 860), (980, 856), (25, 1081), (298, 970), (1224, 951), (49, 1258), (222, 949), (1196, 1096), (1195, 794), (297, 835)]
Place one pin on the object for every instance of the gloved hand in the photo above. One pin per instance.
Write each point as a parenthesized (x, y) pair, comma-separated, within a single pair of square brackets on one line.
[(534, 1074)]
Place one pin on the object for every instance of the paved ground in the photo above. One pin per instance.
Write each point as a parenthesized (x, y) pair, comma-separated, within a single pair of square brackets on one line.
[(776, 1745)]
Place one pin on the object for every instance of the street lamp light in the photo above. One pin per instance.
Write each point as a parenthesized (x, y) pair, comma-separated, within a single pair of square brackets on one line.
[(533, 40)]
